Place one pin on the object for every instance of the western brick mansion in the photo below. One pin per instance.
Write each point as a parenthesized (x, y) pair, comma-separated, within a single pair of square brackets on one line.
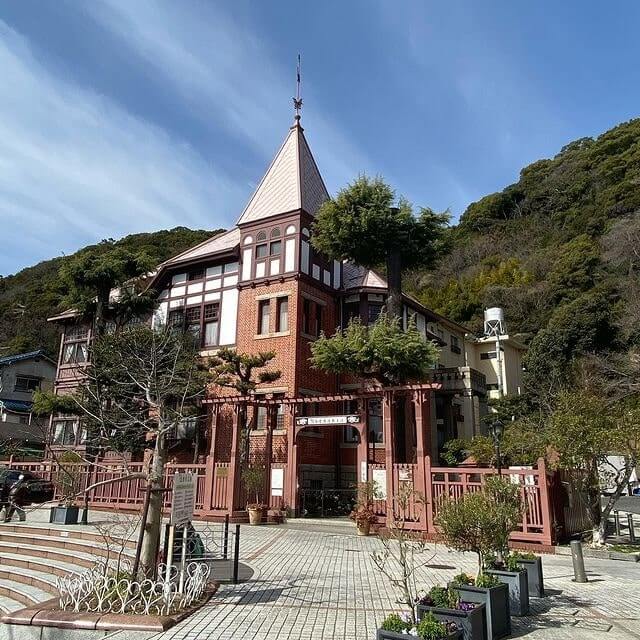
[(261, 286)]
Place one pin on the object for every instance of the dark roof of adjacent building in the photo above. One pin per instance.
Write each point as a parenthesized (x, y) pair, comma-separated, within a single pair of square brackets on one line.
[(16, 406), (29, 355)]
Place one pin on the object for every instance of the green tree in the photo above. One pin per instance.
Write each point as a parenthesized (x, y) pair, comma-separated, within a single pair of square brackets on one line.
[(586, 325), (582, 431), (365, 224), (91, 276), (383, 352), (482, 521), (242, 372)]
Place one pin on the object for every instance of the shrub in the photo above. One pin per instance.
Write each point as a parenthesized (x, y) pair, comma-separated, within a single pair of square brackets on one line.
[(461, 579), (430, 629), (486, 581), (253, 479), (394, 622), (442, 598)]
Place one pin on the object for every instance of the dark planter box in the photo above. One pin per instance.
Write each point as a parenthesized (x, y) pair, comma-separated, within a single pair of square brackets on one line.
[(391, 635), (64, 515), (534, 576), (470, 622), (518, 589), (496, 607)]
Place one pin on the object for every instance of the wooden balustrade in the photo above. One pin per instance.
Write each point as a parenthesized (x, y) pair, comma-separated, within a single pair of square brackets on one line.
[(213, 484)]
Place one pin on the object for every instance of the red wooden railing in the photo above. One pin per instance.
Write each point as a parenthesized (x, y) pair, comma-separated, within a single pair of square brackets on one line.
[(434, 483), (421, 511)]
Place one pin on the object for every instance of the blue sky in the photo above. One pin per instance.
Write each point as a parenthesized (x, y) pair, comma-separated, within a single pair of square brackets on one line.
[(121, 116)]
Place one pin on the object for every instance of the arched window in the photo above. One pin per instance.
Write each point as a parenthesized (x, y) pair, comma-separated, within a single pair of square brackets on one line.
[(290, 229), (275, 233), (248, 240), (262, 236)]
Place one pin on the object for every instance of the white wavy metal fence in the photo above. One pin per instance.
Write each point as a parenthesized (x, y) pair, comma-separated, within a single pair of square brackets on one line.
[(96, 591)]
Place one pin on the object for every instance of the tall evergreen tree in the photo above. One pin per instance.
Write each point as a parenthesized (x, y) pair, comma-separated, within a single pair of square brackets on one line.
[(367, 224)]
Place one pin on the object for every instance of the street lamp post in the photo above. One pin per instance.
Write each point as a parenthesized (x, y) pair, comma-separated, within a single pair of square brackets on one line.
[(496, 429)]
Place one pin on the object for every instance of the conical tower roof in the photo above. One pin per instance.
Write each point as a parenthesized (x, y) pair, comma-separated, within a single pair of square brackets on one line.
[(292, 182)]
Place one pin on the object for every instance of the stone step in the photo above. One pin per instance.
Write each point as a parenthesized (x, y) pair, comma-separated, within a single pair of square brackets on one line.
[(39, 580), (69, 532), (55, 542), (40, 565), (25, 594), (8, 604), (81, 560)]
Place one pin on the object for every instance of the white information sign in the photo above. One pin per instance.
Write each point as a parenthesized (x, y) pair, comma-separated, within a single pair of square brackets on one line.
[(363, 471), (183, 499), (319, 421), (277, 482), (379, 476)]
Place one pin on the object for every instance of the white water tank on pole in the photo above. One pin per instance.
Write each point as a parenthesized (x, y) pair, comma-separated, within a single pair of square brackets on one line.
[(494, 323), (494, 326)]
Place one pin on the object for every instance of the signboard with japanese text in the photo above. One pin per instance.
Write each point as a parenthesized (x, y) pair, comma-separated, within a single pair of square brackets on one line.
[(183, 499), (323, 421)]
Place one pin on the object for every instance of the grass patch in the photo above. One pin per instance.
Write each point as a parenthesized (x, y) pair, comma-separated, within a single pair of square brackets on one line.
[(625, 548)]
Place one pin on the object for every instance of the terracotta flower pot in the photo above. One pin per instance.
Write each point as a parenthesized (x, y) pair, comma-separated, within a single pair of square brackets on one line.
[(364, 528), (255, 516)]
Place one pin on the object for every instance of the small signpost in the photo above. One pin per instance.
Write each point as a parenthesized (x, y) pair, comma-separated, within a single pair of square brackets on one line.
[(182, 506)]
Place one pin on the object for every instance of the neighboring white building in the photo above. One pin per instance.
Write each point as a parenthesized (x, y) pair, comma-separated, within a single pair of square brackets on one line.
[(506, 370)]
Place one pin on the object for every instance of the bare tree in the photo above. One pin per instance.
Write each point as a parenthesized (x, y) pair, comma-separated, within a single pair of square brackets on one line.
[(403, 551)]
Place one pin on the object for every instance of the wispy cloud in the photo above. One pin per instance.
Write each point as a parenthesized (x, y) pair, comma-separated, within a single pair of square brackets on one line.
[(227, 76), (75, 167)]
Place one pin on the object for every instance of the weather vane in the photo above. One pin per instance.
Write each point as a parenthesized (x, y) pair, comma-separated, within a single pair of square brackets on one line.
[(297, 101)]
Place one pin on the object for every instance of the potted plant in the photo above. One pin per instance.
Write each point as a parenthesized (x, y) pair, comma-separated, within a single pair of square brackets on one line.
[(400, 627), (494, 595), (445, 604), (535, 577), (67, 479), (481, 522), (253, 478), (515, 577), (363, 514)]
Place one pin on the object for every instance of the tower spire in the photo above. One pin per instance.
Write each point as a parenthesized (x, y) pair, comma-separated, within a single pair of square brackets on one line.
[(297, 101)]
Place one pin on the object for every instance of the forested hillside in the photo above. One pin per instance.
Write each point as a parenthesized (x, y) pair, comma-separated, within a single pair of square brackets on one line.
[(33, 294), (559, 250)]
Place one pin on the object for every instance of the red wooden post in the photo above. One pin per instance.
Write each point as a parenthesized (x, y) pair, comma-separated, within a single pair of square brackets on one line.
[(388, 418), (291, 489), (545, 503), (210, 466), (420, 480), (234, 475)]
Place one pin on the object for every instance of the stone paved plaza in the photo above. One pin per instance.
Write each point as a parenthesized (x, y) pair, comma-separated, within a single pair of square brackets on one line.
[(320, 582)]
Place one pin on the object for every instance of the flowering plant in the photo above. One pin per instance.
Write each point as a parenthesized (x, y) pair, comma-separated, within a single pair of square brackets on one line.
[(445, 598), (363, 516), (427, 629)]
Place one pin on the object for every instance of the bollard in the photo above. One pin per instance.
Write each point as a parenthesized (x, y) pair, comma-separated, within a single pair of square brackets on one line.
[(616, 515), (632, 532), (236, 554), (578, 561)]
